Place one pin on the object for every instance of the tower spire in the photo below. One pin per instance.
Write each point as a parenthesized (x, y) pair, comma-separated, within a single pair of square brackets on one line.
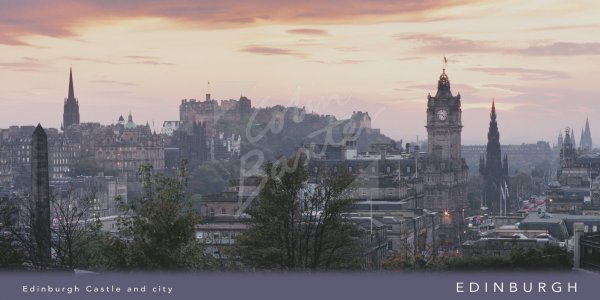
[(587, 136), (71, 92), (496, 168), (71, 105)]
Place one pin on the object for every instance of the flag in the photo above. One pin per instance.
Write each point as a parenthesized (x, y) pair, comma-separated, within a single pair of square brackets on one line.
[(445, 60)]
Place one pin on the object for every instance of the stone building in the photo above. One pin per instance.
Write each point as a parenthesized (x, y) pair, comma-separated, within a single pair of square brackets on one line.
[(123, 149), (15, 156), (169, 127), (444, 172), (410, 233), (15, 152), (385, 175), (98, 194), (362, 119), (210, 111), (63, 155)]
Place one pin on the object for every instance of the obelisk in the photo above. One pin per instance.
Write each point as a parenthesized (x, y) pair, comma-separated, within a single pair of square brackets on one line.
[(40, 193)]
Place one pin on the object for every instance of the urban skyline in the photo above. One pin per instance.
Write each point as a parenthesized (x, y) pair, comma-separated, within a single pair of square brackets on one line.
[(532, 58)]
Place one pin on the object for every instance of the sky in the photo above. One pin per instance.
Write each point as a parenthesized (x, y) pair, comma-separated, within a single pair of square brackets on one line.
[(537, 59)]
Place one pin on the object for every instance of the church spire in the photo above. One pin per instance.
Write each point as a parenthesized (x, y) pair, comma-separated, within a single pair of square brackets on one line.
[(586, 139), (493, 113), (581, 140), (71, 92), (71, 106)]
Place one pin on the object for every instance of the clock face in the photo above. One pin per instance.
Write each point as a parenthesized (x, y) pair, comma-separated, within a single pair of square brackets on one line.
[(442, 114)]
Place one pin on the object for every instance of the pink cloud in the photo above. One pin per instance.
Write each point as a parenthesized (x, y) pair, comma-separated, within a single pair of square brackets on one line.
[(429, 43), (523, 73), (271, 51), (308, 31), (61, 18)]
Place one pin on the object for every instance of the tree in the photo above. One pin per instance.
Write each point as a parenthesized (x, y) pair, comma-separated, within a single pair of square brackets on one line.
[(548, 257), (74, 229), (13, 254), (296, 225), (208, 179), (158, 231)]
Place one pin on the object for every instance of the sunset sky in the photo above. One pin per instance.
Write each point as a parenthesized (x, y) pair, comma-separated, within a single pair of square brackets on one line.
[(538, 59)]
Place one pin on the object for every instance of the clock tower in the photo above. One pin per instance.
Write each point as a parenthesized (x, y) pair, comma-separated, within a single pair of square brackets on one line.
[(445, 172), (444, 123)]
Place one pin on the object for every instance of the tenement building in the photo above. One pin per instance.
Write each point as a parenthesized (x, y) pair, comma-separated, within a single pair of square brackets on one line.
[(124, 148)]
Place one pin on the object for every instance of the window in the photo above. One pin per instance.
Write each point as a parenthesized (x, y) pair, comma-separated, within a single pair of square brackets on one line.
[(594, 228), (585, 228), (389, 228), (388, 169), (390, 245), (212, 212), (223, 211)]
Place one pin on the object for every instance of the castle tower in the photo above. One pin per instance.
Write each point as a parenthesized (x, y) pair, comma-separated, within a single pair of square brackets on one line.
[(443, 160), (71, 106), (40, 194)]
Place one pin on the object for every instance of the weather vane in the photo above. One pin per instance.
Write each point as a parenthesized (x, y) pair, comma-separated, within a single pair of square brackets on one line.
[(445, 63)]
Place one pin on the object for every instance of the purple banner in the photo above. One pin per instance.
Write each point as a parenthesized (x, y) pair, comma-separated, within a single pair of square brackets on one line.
[(301, 286)]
